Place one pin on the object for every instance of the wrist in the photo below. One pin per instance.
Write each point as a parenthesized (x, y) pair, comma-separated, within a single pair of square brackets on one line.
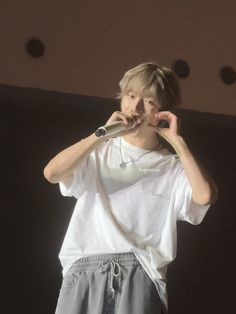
[(179, 145), (97, 139), (92, 140)]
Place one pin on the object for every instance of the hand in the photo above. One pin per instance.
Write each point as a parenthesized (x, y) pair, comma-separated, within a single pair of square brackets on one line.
[(131, 121), (171, 133)]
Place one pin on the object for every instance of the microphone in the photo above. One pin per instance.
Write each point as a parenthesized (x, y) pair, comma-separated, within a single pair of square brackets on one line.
[(111, 129)]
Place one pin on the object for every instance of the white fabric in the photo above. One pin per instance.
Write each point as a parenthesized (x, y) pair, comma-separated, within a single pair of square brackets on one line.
[(129, 210)]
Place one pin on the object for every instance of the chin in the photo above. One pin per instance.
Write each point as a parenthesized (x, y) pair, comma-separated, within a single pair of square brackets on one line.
[(135, 132)]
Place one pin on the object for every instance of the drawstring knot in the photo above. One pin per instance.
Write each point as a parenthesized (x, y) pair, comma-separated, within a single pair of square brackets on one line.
[(113, 264)]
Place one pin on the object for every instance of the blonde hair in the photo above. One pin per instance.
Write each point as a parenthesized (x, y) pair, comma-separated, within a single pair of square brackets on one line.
[(152, 80)]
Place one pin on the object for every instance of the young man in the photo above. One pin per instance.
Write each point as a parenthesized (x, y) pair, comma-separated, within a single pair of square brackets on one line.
[(130, 191)]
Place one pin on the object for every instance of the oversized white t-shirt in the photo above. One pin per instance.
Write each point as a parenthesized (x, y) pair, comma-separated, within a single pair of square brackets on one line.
[(134, 209)]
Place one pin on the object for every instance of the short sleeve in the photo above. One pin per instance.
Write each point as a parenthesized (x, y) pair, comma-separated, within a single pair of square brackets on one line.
[(81, 177), (185, 207)]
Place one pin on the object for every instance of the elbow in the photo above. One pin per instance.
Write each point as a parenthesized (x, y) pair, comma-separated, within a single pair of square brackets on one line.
[(49, 175), (203, 200), (207, 198)]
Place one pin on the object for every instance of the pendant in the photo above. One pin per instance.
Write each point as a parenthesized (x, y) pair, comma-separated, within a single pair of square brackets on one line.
[(123, 165)]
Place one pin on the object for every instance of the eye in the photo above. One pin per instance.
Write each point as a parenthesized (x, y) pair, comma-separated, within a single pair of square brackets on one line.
[(150, 101), (131, 95)]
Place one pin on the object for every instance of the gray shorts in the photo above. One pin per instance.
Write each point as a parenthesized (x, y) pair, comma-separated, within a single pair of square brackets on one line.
[(108, 284)]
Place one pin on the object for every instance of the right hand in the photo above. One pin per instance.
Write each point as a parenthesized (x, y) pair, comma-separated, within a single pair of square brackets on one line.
[(131, 121)]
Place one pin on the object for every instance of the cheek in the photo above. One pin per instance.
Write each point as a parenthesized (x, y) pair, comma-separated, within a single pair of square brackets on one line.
[(153, 121), (151, 111), (124, 105)]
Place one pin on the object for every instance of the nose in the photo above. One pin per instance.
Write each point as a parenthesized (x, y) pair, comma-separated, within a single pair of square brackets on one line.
[(138, 105)]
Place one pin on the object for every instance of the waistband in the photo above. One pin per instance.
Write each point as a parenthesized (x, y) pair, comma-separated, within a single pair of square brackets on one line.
[(92, 261), (106, 262)]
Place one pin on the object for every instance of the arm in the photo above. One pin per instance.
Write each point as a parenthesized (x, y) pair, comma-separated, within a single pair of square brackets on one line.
[(204, 189), (61, 167)]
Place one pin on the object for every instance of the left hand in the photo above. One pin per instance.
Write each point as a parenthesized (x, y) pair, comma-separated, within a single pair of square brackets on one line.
[(171, 133)]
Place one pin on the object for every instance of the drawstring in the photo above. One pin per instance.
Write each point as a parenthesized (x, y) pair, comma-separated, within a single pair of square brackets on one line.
[(103, 267)]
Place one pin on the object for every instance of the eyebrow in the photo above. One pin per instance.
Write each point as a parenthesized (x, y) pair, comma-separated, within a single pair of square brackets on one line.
[(149, 97)]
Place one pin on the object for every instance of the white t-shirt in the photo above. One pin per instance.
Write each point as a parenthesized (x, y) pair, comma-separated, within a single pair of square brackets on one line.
[(134, 209)]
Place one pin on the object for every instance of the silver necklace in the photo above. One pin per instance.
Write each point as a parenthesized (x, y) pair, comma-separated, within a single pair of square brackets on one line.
[(123, 164)]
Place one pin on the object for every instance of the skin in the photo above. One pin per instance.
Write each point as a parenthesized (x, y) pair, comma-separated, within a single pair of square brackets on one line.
[(141, 115), (138, 114)]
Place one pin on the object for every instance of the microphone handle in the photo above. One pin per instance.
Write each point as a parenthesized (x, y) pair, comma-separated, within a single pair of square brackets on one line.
[(110, 129)]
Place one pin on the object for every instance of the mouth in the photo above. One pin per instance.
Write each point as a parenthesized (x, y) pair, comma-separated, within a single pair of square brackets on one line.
[(138, 123), (136, 127)]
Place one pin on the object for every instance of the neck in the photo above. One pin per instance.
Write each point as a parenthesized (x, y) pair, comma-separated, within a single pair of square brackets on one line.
[(144, 142)]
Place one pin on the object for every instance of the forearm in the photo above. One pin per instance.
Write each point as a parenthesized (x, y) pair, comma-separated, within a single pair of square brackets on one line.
[(60, 168), (67, 160), (204, 190)]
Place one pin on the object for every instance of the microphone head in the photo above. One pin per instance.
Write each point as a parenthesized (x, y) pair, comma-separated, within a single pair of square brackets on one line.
[(100, 132)]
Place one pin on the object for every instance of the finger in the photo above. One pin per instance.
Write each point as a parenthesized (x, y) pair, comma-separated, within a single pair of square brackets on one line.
[(166, 114), (136, 119), (118, 117), (173, 125), (132, 119), (163, 116), (125, 118), (171, 118)]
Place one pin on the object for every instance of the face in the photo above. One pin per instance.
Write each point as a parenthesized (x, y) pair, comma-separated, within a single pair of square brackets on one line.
[(133, 102)]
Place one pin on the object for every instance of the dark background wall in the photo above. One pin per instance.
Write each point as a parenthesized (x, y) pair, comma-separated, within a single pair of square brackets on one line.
[(35, 125), (90, 44)]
